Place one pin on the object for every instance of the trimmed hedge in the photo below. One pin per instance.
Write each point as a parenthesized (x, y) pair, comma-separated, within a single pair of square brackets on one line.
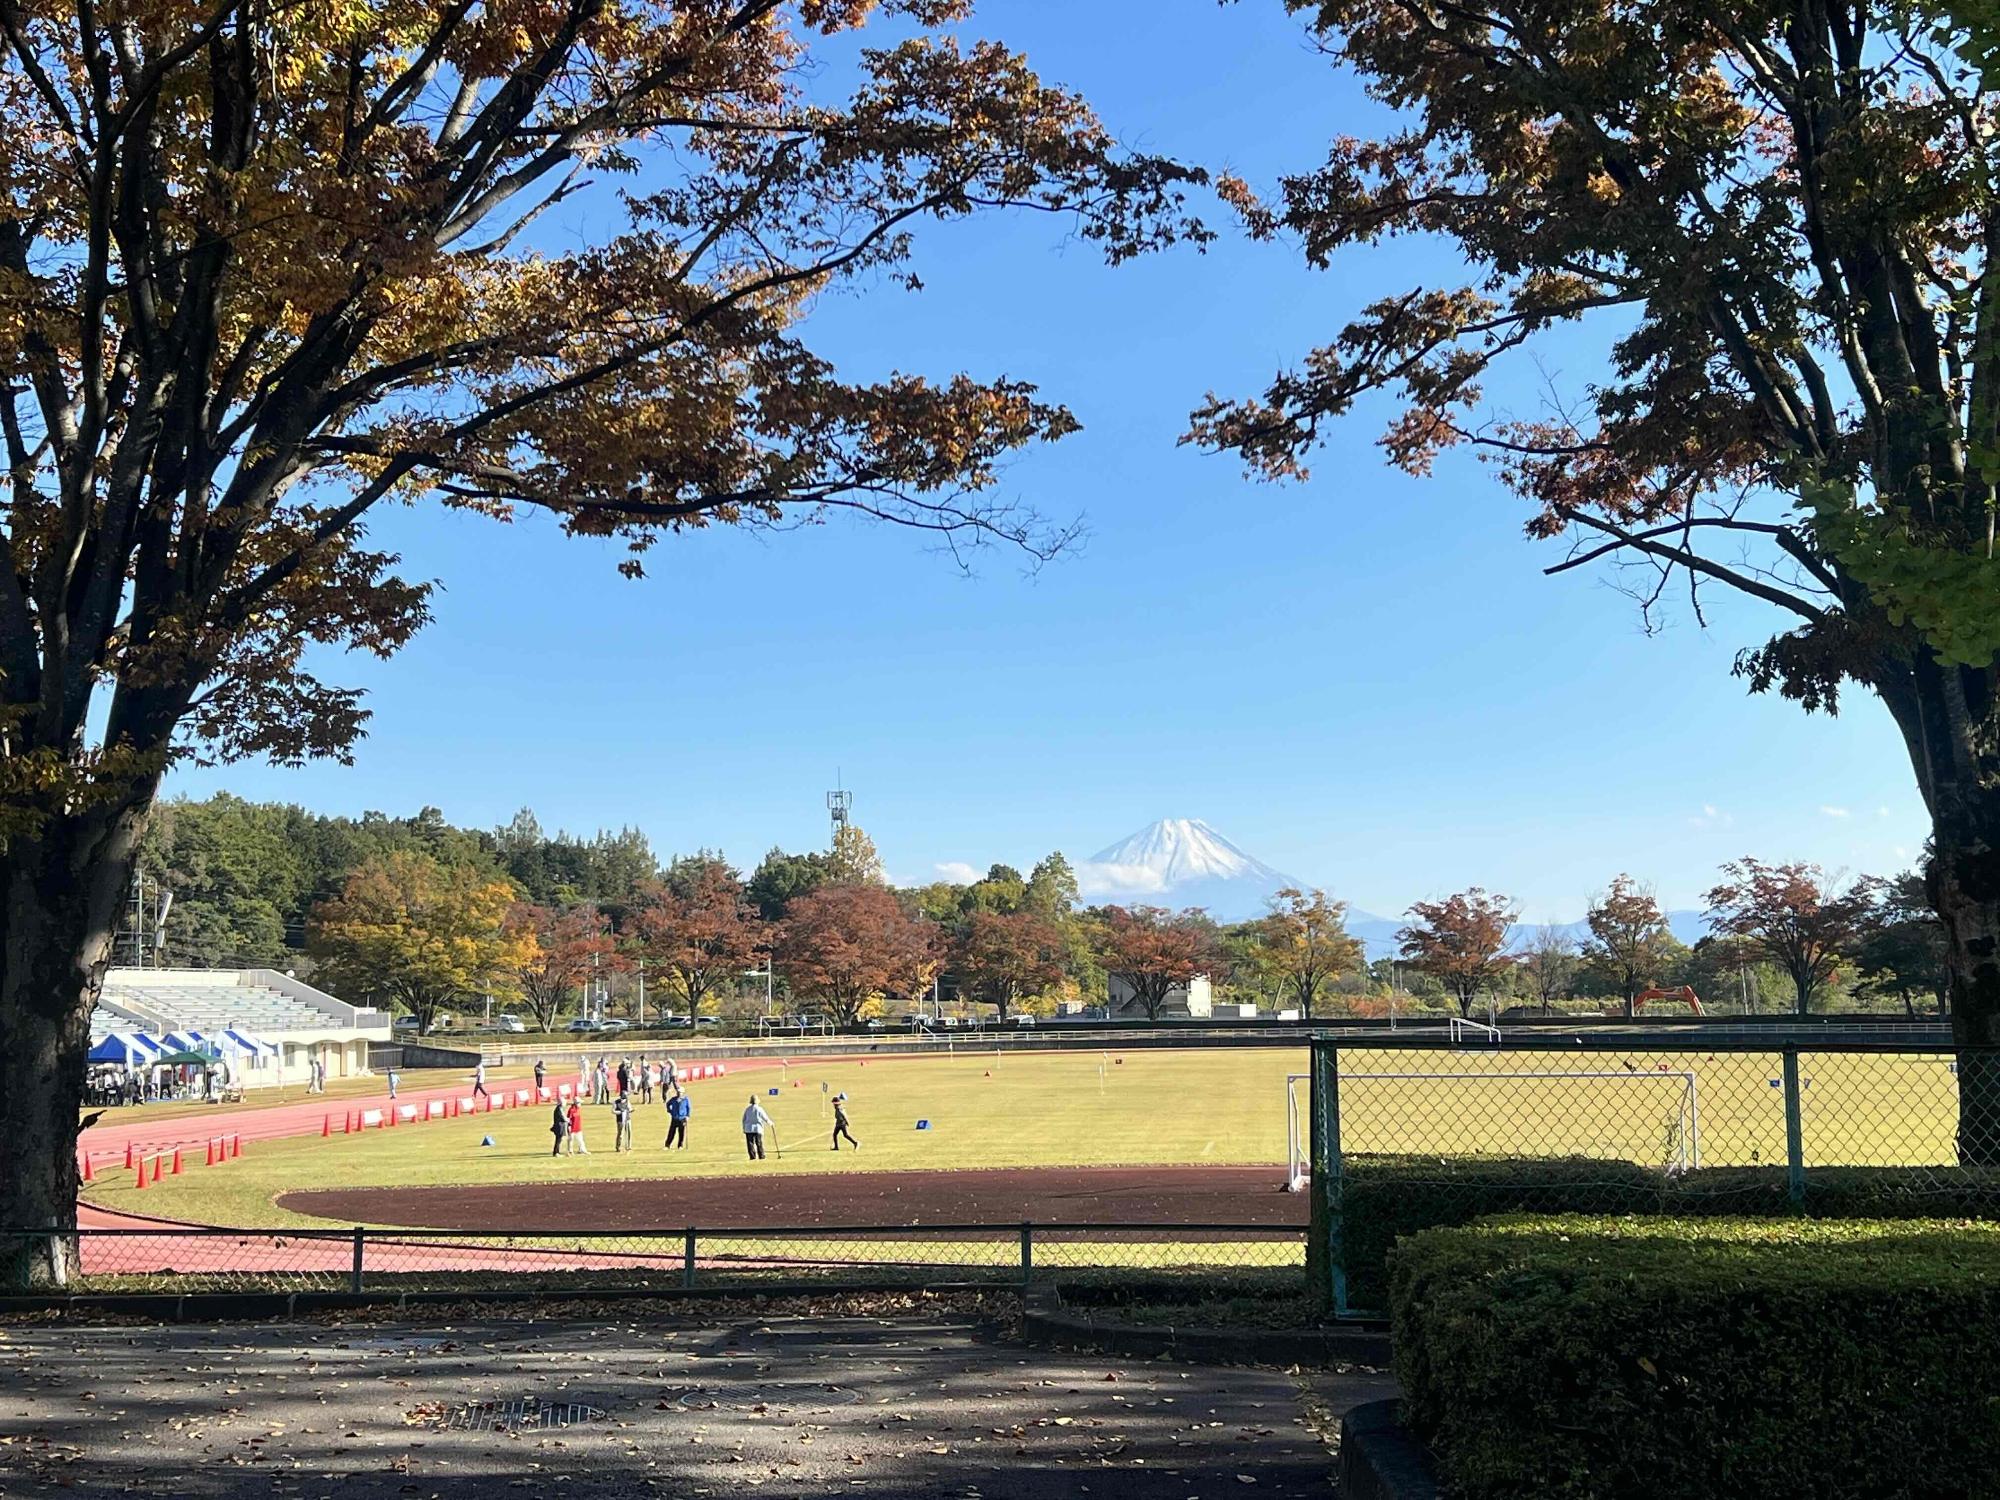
[(1389, 1197), (1676, 1359)]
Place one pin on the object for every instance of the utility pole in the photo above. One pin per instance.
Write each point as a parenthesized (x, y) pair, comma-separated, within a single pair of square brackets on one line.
[(642, 994)]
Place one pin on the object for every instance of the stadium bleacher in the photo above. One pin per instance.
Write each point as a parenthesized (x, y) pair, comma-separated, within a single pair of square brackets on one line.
[(291, 1025)]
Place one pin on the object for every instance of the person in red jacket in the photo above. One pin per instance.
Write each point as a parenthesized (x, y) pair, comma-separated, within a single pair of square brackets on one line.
[(576, 1142)]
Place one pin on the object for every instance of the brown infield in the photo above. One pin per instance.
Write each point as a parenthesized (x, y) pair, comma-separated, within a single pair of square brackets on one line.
[(1048, 1195)]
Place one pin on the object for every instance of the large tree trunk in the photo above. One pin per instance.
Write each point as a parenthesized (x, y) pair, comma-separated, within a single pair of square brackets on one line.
[(1964, 882), (63, 892)]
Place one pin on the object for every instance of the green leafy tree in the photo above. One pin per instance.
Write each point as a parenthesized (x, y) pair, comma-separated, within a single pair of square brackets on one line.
[(782, 878)]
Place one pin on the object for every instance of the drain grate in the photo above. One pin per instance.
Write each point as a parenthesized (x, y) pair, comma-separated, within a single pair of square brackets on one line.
[(758, 1398), (528, 1414)]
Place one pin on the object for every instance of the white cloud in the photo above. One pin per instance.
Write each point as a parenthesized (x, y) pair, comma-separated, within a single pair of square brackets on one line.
[(1119, 880), (1711, 817), (957, 871), (1881, 812), (1834, 812)]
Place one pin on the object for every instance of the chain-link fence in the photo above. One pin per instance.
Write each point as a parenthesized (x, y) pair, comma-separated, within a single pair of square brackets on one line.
[(183, 1260), (1442, 1130)]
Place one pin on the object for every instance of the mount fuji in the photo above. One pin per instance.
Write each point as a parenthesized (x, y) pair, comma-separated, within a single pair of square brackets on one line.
[(1183, 862)]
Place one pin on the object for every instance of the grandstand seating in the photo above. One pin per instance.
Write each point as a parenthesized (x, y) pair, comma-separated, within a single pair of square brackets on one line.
[(214, 1007)]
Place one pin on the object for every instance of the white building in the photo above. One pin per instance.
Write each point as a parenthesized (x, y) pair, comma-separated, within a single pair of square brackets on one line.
[(1191, 999), (268, 1025)]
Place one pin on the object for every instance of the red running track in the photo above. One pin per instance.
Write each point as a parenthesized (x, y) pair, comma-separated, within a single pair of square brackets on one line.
[(148, 1129)]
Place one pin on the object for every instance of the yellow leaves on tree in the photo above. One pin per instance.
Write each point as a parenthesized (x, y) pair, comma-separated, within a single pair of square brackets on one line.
[(417, 934)]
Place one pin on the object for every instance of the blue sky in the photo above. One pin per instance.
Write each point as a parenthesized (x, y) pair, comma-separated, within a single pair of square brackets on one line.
[(1364, 680)]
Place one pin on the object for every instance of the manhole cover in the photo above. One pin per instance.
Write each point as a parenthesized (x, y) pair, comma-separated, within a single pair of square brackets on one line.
[(516, 1416), (766, 1397)]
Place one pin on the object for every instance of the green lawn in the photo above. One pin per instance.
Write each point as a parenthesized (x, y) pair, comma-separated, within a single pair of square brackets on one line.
[(1222, 1107)]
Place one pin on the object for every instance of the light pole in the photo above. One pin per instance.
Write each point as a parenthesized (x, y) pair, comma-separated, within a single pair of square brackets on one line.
[(763, 974)]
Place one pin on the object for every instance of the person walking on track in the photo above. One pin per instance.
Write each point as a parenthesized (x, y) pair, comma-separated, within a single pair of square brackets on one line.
[(559, 1128), (755, 1123), (479, 1080), (541, 1072), (621, 1119), (577, 1145), (840, 1123), (395, 1078), (679, 1107)]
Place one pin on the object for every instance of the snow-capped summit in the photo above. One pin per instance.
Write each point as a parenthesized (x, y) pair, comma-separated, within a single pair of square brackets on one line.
[(1182, 862)]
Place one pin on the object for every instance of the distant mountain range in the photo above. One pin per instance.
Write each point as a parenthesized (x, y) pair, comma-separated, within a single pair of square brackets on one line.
[(1185, 862)]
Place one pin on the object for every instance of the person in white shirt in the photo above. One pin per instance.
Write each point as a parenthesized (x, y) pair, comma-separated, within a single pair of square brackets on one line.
[(755, 1123)]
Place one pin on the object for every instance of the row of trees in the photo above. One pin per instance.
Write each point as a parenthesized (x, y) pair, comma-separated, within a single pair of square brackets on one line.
[(1811, 929)]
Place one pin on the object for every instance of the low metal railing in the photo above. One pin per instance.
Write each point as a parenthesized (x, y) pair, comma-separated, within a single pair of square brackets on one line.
[(190, 1259)]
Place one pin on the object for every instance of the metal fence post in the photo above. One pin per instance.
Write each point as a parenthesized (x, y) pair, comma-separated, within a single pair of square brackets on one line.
[(1027, 1252), (360, 1240), (1326, 1181), (687, 1259), (1795, 1148)]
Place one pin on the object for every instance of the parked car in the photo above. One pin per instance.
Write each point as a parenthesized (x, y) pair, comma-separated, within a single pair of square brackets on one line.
[(708, 1020), (404, 1023), (584, 1024), (1022, 1020), (614, 1023), (513, 1025)]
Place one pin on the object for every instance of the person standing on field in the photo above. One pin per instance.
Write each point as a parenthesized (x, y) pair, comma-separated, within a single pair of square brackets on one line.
[(755, 1123), (541, 1072), (624, 1076), (679, 1107), (603, 1082), (621, 1120), (577, 1146), (645, 1080), (840, 1123), (559, 1128)]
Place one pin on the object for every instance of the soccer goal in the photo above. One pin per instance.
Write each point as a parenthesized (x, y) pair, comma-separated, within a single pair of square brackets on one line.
[(1298, 1134), (1634, 1115)]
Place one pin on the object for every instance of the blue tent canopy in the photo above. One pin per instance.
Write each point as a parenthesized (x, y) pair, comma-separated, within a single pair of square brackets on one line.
[(117, 1048)]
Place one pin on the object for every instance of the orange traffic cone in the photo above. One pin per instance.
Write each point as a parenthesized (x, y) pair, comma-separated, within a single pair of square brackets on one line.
[(142, 1173), (177, 1161), (325, 1126), (236, 1145), (128, 1156), (88, 1175)]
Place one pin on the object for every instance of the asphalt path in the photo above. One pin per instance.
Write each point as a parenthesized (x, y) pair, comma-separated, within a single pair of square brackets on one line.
[(808, 1406)]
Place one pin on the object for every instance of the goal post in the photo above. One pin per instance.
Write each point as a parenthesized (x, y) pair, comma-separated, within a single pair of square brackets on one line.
[(1298, 1132)]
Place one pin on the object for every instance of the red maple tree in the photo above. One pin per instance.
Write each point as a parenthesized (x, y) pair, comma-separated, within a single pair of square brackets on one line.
[(844, 945), (1004, 957), (1459, 941), (1153, 950), (698, 932)]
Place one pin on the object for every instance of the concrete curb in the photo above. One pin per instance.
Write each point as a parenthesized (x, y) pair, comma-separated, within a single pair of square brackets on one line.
[(1047, 1324), (1380, 1459)]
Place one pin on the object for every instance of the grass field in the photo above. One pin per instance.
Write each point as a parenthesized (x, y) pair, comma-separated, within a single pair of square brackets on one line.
[(1222, 1107), (1078, 1109)]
